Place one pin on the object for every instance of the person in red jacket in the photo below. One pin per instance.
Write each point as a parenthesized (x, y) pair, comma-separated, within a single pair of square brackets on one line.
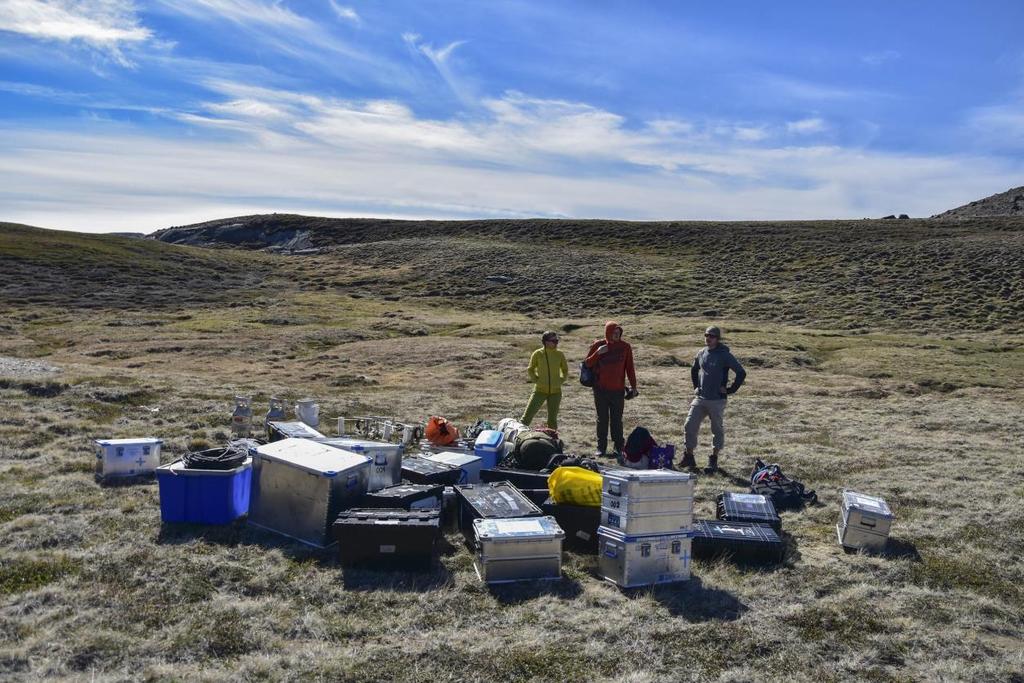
[(611, 359)]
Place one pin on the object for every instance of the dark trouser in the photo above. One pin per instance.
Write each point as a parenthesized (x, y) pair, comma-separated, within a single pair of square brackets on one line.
[(609, 406)]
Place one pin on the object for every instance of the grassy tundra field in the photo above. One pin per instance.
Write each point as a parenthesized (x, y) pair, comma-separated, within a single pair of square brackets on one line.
[(883, 356)]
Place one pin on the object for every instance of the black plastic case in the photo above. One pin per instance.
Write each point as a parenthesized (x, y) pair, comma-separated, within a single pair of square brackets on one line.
[(523, 479), (579, 522), (406, 497), (387, 538), (496, 500), (742, 541), (748, 507), (422, 471)]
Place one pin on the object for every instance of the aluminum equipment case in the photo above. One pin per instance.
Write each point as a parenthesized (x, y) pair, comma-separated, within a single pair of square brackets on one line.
[(748, 507), (419, 470), (468, 463), (864, 522), (642, 502), (646, 484), (385, 459), (632, 561), (395, 539), (517, 549), (743, 541), (498, 500), (406, 497), (291, 430), (522, 479), (126, 458), (579, 522), (299, 486)]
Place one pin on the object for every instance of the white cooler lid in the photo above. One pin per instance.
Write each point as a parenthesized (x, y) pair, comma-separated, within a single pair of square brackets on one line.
[(311, 456), (145, 441)]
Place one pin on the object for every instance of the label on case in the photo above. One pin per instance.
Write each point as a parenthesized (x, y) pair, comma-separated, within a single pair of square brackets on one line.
[(613, 520), (756, 498), (387, 548)]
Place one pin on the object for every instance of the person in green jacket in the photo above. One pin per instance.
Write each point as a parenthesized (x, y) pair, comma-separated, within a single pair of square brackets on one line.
[(547, 371)]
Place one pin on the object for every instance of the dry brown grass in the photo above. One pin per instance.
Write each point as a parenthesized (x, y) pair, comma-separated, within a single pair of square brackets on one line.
[(92, 587)]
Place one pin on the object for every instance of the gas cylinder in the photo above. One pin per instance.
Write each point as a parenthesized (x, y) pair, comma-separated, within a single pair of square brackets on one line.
[(241, 418), (308, 411)]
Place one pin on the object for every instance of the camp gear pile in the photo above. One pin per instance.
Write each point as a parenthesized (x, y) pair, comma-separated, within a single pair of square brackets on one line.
[(516, 497)]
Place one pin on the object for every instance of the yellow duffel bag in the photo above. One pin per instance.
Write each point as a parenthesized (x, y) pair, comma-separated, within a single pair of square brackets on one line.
[(575, 486)]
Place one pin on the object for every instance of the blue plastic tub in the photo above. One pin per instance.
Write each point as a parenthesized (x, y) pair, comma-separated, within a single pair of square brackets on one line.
[(203, 496), (489, 444)]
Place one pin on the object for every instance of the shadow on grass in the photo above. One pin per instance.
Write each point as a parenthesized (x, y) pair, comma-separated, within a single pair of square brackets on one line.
[(240, 533), (565, 588), (895, 549), (397, 579), (898, 549), (693, 602)]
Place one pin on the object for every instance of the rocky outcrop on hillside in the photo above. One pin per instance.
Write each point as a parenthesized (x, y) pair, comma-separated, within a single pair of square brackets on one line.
[(1009, 203), (270, 232)]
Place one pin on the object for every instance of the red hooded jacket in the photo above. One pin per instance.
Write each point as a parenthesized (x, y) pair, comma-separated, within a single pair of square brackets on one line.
[(612, 367)]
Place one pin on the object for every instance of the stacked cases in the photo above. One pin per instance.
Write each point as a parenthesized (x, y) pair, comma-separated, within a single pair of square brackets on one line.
[(748, 507), (646, 524), (511, 538)]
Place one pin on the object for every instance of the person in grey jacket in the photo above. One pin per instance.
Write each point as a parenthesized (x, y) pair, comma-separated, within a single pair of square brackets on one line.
[(710, 375)]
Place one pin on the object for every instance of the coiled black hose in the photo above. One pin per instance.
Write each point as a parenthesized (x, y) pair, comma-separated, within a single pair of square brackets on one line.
[(227, 458)]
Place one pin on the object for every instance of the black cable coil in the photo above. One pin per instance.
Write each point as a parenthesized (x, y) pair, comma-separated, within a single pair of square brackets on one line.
[(227, 458)]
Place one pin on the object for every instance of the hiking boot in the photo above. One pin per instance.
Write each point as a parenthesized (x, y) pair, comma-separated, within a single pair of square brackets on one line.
[(688, 461), (712, 463), (599, 454)]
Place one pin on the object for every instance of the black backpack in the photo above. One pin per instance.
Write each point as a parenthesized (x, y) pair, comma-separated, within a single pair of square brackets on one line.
[(785, 493), (586, 375), (533, 450), (638, 444)]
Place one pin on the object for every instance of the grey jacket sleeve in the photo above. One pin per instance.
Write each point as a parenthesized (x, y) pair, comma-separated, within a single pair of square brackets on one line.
[(741, 374), (695, 371)]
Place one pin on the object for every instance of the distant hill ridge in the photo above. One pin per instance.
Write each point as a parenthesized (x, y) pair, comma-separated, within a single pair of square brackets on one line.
[(1009, 203)]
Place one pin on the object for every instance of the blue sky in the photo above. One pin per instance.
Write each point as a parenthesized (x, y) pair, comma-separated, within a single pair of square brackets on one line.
[(119, 115)]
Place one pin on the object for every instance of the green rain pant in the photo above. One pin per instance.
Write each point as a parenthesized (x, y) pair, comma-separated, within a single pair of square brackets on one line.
[(536, 401)]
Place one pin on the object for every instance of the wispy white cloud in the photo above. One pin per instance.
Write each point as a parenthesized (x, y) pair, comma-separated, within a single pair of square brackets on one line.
[(807, 126), (243, 12), (522, 157), (880, 57), (274, 26), (346, 13), (103, 24), (789, 87), (439, 58)]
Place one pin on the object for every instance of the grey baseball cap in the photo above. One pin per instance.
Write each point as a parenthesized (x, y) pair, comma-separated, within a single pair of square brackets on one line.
[(713, 332)]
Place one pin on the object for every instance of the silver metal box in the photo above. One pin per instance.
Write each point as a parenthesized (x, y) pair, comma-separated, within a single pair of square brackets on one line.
[(626, 505), (385, 459), (864, 522), (642, 484), (127, 457), (299, 486), (631, 561), (519, 549), (635, 524)]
